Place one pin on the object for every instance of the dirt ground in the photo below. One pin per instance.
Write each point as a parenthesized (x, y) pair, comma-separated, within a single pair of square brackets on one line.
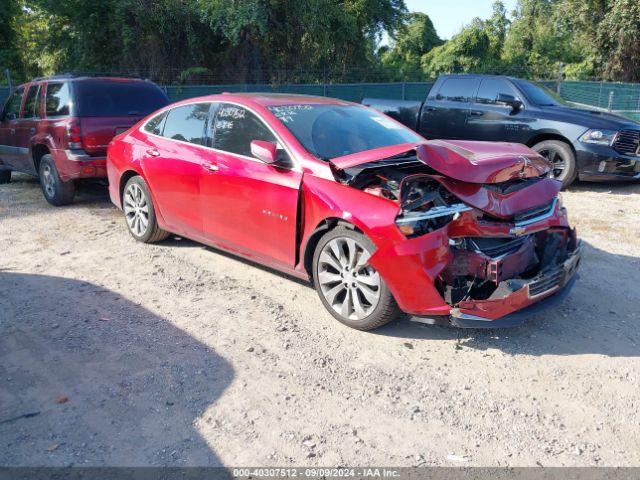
[(117, 353)]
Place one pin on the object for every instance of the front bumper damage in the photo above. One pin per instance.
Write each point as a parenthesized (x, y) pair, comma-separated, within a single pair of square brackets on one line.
[(526, 298)]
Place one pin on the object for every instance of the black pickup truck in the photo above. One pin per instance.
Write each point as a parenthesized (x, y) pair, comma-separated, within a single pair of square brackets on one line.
[(584, 144)]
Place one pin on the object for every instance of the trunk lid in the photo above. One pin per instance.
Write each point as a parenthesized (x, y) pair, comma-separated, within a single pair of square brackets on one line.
[(97, 132)]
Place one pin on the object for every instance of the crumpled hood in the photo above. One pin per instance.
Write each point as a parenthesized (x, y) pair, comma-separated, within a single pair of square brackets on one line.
[(482, 162), (466, 161)]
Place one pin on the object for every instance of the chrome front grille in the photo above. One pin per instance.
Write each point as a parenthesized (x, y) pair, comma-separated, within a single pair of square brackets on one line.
[(628, 143)]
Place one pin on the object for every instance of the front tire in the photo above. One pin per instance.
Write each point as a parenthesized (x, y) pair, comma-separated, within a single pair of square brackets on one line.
[(55, 191), (562, 157), (5, 176), (351, 289), (140, 213)]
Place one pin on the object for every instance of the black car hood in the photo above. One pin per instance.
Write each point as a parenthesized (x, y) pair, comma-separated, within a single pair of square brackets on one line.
[(588, 118)]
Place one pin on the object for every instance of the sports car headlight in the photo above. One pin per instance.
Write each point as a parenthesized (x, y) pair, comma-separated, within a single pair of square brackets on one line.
[(599, 137), (413, 224)]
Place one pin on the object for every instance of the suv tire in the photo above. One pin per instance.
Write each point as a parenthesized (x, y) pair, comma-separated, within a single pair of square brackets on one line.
[(351, 289), (55, 191), (5, 176), (560, 154), (139, 212)]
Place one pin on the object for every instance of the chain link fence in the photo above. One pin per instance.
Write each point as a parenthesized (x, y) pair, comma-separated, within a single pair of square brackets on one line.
[(619, 98)]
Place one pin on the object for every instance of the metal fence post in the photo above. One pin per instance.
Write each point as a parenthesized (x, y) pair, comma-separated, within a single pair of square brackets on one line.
[(610, 100), (560, 77), (600, 95), (8, 73)]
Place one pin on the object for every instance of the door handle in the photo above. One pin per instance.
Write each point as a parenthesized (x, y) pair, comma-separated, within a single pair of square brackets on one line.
[(212, 167), (12, 131), (32, 130), (476, 113), (430, 109), (153, 152)]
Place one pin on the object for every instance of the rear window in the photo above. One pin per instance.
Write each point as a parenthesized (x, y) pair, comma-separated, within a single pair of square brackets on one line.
[(117, 99), (187, 123)]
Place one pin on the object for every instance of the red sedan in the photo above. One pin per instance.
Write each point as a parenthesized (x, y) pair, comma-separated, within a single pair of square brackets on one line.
[(380, 219)]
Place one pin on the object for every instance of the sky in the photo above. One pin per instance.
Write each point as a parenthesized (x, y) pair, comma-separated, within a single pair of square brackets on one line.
[(448, 16)]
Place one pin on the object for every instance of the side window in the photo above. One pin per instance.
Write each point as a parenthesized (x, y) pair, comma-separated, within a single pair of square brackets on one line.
[(156, 124), (31, 102), (490, 88), (58, 99), (236, 127), (187, 123), (457, 90), (12, 107)]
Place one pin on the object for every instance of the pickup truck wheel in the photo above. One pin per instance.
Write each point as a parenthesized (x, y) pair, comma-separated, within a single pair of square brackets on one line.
[(351, 289), (139, 212), (5, 176), (55, 191), (562, 158)]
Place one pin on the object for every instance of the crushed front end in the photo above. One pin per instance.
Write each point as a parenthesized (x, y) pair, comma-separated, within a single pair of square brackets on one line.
[(478, 252)]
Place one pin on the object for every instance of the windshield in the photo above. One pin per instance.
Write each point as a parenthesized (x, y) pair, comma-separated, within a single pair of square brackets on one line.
[(541, 96), (115, 99), (330, 131)]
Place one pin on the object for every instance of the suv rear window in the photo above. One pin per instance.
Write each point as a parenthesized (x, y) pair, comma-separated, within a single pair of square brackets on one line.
[(117, 99)]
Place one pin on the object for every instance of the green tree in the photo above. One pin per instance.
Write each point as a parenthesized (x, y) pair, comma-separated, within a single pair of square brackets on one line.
[(413, 39), (618, 39), (9, 54)]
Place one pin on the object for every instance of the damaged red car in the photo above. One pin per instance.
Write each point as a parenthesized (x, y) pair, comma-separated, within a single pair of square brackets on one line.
[(381, 220)]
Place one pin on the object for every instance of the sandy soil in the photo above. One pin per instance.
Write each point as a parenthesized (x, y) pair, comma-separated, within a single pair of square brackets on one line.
[(118, 353)]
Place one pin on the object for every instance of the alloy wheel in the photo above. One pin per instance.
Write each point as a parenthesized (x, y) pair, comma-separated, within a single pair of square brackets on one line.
[(48, 181), (559, 164), (136, 210), (348, 283)]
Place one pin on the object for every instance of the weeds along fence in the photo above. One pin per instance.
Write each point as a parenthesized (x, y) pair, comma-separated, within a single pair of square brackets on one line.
[(620, 98)]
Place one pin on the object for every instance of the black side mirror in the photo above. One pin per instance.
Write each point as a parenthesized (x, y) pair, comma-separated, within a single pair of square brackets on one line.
[(510, 101)]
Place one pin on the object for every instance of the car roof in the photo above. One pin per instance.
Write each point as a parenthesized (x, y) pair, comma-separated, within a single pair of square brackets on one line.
[(84, 78), (266, 99), (477, 75)]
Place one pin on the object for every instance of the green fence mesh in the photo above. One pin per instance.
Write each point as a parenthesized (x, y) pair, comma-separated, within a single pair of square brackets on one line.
[(620, 98)]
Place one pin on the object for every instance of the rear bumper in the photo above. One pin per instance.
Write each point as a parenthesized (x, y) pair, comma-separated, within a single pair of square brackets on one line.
[(76, 164), (515, 308)]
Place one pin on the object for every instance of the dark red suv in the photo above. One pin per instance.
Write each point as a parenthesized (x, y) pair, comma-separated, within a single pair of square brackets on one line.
[(58, 128)]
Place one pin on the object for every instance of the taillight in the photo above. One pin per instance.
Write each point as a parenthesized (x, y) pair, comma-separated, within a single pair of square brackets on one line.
[(74, 135)]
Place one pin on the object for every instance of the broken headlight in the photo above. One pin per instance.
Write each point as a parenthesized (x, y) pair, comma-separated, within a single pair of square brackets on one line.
[(426, 206)]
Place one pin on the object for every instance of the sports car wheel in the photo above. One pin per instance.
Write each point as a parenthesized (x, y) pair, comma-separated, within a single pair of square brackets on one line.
[(349, 287), (139, 212), (5, 176), (562, 158)]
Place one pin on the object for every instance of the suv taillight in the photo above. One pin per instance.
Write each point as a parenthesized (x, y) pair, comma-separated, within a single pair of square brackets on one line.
[(74, 135)]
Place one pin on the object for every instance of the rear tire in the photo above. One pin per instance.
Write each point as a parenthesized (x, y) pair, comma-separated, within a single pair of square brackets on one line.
[(55, 191), (561, 155), (351, 289), (5, 176), (139, 212)]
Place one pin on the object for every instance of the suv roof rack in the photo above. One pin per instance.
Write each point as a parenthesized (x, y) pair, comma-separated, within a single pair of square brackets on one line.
[(70, 75)]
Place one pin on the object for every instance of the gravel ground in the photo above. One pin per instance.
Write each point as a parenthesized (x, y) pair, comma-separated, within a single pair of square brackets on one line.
[(117, 353)]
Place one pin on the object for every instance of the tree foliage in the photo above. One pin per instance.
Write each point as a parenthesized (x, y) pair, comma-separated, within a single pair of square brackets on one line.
[(181, 41), (413, 39)]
